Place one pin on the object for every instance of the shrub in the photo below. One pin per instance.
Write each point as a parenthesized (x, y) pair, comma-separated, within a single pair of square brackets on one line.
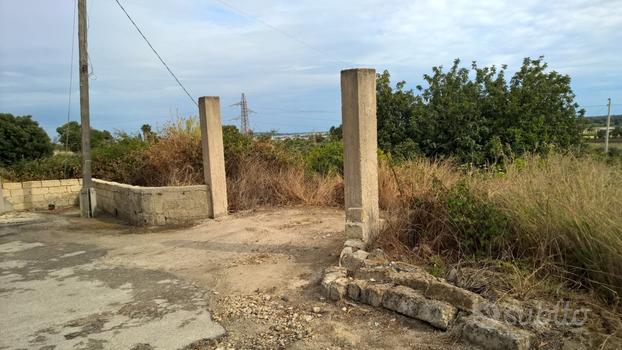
[(120, 160), (479, 226), (175, 158), (326, 158), (61, 166)]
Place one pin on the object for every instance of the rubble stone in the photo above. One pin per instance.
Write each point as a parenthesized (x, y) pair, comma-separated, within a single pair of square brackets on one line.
[(492, 334), (355, 289), (461, 298), (378, 274), (413, 304), (418, 280), (331, 274), (338, 289), (353, 261), (373, 294)]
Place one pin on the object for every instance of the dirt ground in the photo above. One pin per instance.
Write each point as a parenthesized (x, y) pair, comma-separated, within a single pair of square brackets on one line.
[(250, 280)]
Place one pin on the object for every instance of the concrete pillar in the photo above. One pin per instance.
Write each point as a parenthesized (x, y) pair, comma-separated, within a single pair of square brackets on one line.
[(358, 113), (213, 155)]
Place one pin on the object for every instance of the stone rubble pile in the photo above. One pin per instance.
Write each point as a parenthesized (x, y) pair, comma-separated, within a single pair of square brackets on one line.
[(369, 278)]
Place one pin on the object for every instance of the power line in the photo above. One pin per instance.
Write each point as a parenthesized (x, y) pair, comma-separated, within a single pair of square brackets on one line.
[(300, 110), (73, 44), (157, 54), (290, 36)]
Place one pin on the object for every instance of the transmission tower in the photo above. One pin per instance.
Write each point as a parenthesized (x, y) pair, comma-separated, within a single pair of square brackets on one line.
[(244, 112)]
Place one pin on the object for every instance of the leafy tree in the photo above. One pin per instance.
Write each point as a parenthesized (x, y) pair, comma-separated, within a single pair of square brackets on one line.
[(147, 134), (335, 133), (478, 116), (396, 113), (71, 133), (21, 138)]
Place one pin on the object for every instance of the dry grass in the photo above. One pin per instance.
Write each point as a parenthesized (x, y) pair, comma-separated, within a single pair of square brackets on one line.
[(564, 217), (256, 183), (567, 211), (415, 218), (175, 159)]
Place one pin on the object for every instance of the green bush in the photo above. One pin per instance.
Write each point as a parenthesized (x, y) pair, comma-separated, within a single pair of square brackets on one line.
[(121, 160), (326, 158), (480, 226), (61, 166)]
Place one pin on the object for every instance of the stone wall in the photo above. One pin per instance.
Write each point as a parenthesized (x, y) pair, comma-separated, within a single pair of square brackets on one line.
[(39, 194), (146, 206)]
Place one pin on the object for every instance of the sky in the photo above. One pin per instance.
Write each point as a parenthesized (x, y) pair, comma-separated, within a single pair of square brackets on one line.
[(285, 55)]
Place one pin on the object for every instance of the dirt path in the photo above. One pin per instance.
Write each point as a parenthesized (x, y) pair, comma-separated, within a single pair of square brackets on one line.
[(256, 274)]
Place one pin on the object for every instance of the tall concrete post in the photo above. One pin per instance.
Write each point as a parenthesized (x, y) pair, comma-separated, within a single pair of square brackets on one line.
[(358, 113), (213, 155)]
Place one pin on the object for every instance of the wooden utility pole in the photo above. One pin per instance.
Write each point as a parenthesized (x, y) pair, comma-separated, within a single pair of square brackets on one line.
[(608, 126), (87, 195)]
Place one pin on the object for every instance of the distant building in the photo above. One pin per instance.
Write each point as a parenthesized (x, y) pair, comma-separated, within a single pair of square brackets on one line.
[(300, 135)]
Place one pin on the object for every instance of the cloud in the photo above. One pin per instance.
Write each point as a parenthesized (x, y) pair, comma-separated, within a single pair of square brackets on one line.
[(225, 47)]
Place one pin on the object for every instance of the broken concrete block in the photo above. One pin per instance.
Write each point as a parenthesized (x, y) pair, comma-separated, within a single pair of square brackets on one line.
[(461, 298), (418, 280), (413, 304), (353, 261), (437, 313), (355, 288), (377, 274), (491, 334), (338, 289), (376, 258), (373, 294), (330, 275)]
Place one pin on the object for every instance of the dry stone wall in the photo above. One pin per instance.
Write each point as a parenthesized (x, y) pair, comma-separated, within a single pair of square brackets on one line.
[(31, 195)]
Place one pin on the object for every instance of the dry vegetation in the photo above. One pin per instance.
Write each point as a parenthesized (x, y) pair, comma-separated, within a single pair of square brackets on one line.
[(560, 216), (557, 217)]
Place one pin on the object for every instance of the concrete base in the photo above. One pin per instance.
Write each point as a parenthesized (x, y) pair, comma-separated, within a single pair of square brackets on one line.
[(88, 203), (2, 206)]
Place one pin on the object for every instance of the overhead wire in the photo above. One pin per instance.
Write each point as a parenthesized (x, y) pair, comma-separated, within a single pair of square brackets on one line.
[(157, 54), (281, 31), (73, 44)]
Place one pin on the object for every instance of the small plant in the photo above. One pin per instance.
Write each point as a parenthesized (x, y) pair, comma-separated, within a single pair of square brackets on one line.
[(437, 266)]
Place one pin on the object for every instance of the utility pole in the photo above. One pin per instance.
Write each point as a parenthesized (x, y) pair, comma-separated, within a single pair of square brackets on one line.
[(87, 195), (244, 112), (608, 125)]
